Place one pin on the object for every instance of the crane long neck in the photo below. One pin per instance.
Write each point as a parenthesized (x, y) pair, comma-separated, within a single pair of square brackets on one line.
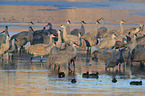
[(58, 43), (6, 31), (114, 52), (75, 50), (30, 34), (82, 29), (64, 34), (103, 22), (96, 30), (121, 26), (51, 40), (7, 42)]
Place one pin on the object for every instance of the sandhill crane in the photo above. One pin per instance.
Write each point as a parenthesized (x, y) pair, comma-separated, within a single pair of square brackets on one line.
[(40, 49), (59, 42), (112, 60), (107, 42), (67, 27), (134, 30), (117, 32), (11, 49), (63, 57), (3, 36), (57, 46), (133, 44), (138, 56), (102, 30), (22, 38), (41, 38), (4, 46), (51, 30), (91, 38), (82, 30), (73, 38)]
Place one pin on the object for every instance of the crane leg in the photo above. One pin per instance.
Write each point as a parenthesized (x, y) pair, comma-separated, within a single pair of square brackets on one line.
[(41, 59), (54, 66), (31, 58), (142, 65), (58, 68), (69, 67)]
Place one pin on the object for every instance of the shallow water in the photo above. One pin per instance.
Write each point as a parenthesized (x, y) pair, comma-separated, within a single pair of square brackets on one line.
[(22, 77)]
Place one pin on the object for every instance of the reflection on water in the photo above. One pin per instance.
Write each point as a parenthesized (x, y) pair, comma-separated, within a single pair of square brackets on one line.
[(34, 78)]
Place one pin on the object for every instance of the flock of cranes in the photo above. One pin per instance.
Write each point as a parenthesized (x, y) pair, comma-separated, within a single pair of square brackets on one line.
[(114, 47)]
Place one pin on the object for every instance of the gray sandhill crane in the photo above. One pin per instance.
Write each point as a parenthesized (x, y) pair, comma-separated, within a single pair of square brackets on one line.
[(51, 30), (107, 42), (63, 57), (41, 38), (95, 33), (118, 33), (138, 56), (91, 38), (102, 54), (140, 40), (4, 46), (59, 41), (133, 31), (22, 38), (102, 30), (3, 36), (112, 60), (82, 30), (121, 39), (11, 49), (57, 46), (40, 49), (124, 56), (133, 44), (68, 27), (73, 38)]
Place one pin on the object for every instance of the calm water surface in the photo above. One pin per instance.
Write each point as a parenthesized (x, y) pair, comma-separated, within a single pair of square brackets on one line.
[(24, 78)]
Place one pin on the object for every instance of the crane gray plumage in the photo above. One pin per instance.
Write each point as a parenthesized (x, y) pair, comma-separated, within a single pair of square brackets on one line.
[(107, 42), (95, 33), (12, 49), (63, 57), (57, 46), (124, 56), (51, 30), (102, 54), (118, 33), (91, 38), (23, 37), (82, 30), (138, 56), (133, 44), (73, 38), (59, 42), (4, 46), (102, 30), (112, 60), (133, 31), (41, 49), (41, 38), (68, 27), (3, 35)]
